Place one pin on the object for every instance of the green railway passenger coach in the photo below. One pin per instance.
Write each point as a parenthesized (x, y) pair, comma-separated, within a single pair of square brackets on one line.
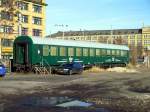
[(34, 51)]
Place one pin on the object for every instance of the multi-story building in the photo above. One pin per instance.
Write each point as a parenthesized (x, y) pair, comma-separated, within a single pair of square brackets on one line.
[(130, 37), (20, 17)]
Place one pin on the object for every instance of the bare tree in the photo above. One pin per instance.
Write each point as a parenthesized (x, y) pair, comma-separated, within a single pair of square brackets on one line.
[(133, 54), (118, 41), (7, 20), (8, 12)]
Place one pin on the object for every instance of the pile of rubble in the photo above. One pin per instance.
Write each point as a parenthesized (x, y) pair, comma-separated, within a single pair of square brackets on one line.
[(122, 69), (114, 69)]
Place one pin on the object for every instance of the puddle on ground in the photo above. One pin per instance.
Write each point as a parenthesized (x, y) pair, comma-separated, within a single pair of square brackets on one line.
[(75, 103), (54, 101), (60, 102)]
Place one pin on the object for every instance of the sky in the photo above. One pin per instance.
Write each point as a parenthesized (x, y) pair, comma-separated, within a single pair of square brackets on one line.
[(70, 15)]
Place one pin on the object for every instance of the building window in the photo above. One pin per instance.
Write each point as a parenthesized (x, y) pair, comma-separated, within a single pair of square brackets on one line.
[(37, 32), (24, 19), (62, 51), (70, 51), (89, 38), (7, 43), (22, 5), (6, 3), (37, 20), (37, 8), (6, 16), (1, 29), (6, 29), (24, 31), (132, 37), (132, 42), (53, 51)]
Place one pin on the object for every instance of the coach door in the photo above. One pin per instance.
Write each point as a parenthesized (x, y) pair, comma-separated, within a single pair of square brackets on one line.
[(22, 53)]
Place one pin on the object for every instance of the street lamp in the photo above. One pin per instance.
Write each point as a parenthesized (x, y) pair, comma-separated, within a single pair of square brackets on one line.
[(63, 26), (111, 32)]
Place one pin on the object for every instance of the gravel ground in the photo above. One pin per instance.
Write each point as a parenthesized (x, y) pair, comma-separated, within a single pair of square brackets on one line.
[(113, 91)]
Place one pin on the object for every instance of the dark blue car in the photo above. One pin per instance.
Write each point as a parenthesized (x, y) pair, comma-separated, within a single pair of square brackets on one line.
[(69, 68), (2, 70)]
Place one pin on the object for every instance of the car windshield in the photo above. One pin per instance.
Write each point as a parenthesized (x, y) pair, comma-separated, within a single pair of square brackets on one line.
[(66, 65)]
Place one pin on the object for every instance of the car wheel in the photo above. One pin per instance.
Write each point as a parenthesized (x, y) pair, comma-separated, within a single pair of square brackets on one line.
[(70, 72), (80, 72)]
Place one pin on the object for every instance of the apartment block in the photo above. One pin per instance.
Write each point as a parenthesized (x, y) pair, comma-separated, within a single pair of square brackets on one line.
[(20, 17), (130, 37)]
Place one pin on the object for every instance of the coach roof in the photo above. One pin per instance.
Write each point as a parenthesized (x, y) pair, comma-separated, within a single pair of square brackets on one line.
[(76, 43)]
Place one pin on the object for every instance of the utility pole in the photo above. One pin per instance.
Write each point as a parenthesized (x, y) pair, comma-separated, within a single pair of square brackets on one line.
[(111, 33), (111, 36), (63, 31), (83, 33)]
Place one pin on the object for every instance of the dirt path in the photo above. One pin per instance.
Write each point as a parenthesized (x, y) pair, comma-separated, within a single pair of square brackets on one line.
[(118, 92)]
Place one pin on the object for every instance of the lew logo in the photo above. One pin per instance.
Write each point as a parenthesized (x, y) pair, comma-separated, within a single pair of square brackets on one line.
[(112, 60), (62, 61)]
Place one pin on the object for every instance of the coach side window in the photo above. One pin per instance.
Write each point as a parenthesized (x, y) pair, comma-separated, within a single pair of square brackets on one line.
[(70, 51), (45, 50), (78, 52), (123, 53), (113, 52), (62, 51), (85, 52), (103, 52), (91, 52), (118, 52), (97, 52), (108, 52), (53, 51)]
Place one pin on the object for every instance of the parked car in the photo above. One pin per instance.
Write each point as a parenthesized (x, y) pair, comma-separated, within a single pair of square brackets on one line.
[(2, 70), (68, 68)]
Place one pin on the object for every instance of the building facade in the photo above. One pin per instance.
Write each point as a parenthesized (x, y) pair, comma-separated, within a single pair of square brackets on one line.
[(20, 17), (130, 37)]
